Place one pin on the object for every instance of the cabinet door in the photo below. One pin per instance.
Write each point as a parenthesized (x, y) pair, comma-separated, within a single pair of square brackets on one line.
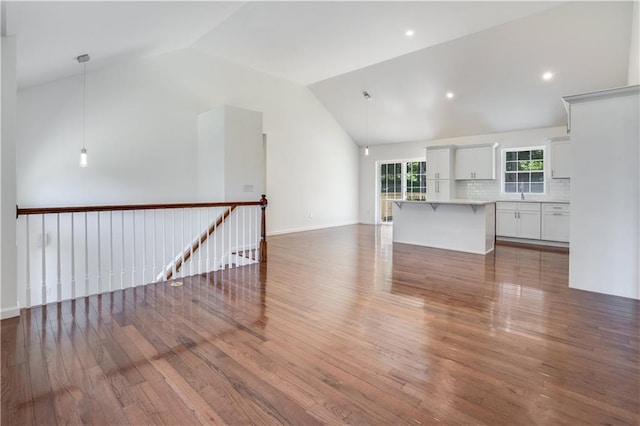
[(444, 189), (444, 163), (561, 159), (432, 194), (484, 165), (529, 225), (464, 164), (507, 223), (555, 227), (432, 163)]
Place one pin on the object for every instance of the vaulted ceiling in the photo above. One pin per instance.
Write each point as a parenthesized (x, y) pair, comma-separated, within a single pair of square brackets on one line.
[(490, 55)]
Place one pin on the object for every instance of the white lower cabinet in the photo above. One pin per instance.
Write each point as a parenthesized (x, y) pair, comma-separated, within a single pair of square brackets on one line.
[(555, 222), (518, 220)]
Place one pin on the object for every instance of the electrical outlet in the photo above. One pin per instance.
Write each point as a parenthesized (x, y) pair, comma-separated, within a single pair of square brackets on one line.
[(310, 215)]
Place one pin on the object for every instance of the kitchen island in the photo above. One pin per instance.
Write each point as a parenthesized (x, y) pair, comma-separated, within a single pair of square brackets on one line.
[(461, 225)]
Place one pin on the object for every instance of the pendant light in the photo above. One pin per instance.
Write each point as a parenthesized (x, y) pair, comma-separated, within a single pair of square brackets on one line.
[(367, 98), (83, 59)]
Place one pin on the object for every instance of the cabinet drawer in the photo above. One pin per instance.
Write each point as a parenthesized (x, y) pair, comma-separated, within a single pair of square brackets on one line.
[(506, 205), (528, 207), (555, 208)]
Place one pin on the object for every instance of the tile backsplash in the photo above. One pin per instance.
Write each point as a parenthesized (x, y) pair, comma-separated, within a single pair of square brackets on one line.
[(557, 189)]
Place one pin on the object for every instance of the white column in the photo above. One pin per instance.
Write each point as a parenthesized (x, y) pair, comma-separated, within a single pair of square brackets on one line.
[(8, 274)]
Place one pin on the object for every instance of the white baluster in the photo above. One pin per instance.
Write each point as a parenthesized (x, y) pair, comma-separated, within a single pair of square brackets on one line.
[(122, 250), (144, 245), (182, 268), (86, 256), (164, 245), (207, 264), (73, 259), (155, 231), (230, 232), (222, 240), (44, 264), (133, 249), (198, 231), (28, 275), (173, 245), (110, 250), (215, 239), (59, 272), (190, 241), (244, 247), (99, 255)]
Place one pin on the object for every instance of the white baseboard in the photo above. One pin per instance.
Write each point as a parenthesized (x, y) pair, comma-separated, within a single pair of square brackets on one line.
[(10, 312), (308, 228), (534, 242)]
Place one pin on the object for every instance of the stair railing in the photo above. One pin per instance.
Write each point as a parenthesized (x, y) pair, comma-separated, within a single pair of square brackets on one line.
[(72, 252)]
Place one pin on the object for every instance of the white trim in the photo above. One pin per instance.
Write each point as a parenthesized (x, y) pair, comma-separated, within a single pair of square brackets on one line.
[(309, 228), (603, 94), (534, 242), (11, 312), (544, 169)]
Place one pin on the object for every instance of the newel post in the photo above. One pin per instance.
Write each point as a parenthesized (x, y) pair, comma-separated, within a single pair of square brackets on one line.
[(263, 229)]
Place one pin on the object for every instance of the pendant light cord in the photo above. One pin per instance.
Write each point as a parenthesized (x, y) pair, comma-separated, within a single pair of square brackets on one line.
[(84, 98)]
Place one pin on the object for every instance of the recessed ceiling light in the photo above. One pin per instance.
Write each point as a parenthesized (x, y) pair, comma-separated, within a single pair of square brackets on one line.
[(449, 95), (547, 76), (409, 33)]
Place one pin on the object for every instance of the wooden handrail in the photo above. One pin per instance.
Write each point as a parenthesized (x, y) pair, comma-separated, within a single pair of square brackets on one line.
[(203, 237), (126, 207)]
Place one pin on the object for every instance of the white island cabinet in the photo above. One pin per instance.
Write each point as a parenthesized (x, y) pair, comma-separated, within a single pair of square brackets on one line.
[(461, 225)]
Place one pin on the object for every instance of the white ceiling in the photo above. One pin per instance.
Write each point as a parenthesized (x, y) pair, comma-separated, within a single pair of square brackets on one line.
[(495, 75), (490, 54), (51, 34), (307, 42)]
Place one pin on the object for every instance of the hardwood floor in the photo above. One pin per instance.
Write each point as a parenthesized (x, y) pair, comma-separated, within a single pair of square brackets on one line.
[(341, 326)]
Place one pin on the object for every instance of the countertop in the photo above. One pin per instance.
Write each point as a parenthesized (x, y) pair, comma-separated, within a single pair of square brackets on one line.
[(457, 201), (515, 200)]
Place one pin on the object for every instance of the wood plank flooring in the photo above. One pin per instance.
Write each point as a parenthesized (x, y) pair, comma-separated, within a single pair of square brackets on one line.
[(340, 327)]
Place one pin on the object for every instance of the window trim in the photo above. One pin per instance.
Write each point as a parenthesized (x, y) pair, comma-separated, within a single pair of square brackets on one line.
[(503, 168)]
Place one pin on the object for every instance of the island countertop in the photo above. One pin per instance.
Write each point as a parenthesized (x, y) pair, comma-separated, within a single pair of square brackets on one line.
[(454, 201)]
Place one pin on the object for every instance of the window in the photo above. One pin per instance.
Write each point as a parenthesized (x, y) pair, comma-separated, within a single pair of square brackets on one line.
[(416, 180), (402, 180), (523, 170)]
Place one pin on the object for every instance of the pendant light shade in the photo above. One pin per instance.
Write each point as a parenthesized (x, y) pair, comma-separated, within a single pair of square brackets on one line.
[(366, 151), (83, 59), (83, 158)]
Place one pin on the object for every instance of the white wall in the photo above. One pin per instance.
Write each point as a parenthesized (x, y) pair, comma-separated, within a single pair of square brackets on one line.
[(634, 47), (605, 197), (9, 304), (244, 174), (142, 139), (557, 188)]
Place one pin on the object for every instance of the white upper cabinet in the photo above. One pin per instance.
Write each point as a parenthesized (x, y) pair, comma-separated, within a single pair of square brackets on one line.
[(560, 157), (439, 162), (476, 162)]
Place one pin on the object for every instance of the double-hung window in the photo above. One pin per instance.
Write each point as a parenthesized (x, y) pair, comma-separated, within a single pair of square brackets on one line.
[(523, 170)]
